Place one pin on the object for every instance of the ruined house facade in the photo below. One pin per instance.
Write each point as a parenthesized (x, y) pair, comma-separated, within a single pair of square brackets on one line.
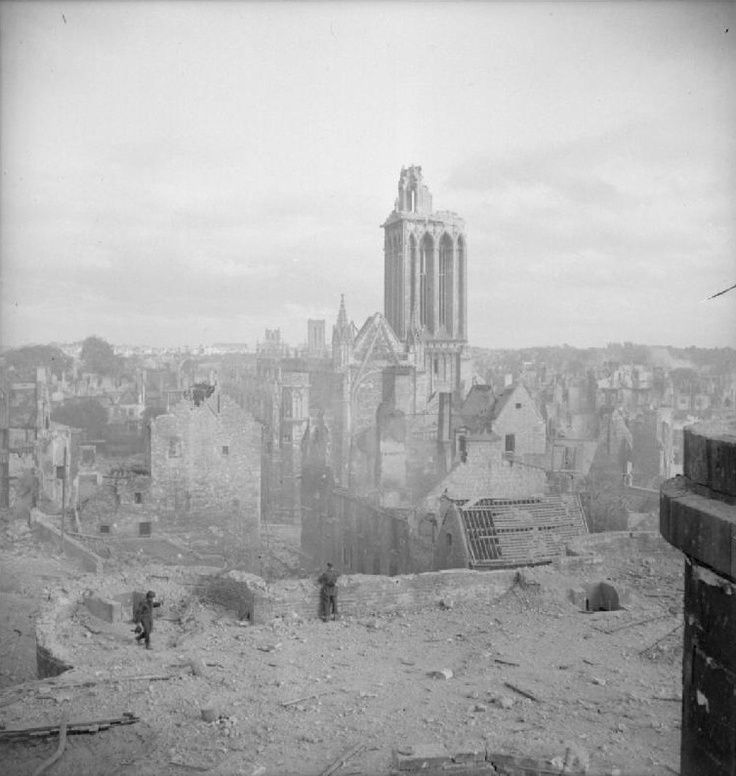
[(206, 465)]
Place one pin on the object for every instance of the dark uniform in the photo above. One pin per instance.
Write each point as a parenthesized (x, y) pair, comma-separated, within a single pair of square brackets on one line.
[(328, 593), (144, 617)]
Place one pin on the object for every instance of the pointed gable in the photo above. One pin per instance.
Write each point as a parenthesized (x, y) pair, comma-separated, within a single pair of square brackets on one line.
[(376, 342), (515, 394)]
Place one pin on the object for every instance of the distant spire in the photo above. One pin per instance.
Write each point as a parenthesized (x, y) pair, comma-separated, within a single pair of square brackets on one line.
[(342, 316)]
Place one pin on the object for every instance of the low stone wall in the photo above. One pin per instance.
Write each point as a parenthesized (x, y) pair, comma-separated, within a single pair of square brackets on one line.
[(73, 548), (251, 598), (362, 594)]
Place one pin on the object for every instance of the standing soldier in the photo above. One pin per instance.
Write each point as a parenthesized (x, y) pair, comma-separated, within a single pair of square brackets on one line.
[(144, 618), (328, 593)]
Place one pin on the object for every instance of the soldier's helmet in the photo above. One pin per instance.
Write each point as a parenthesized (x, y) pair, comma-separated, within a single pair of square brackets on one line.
[(150, 594)]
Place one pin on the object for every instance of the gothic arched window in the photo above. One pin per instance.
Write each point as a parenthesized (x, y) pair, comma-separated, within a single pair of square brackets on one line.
[(425, 281), (445, 282)]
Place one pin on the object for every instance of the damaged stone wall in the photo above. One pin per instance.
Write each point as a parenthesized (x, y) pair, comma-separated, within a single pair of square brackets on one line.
[(698, 516), (206, 468), (349, 531), (119, 505), (364, 595)]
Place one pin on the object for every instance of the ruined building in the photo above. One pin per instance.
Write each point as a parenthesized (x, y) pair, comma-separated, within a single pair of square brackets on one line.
[(698, 516), (425, 281), (206, 465), (397, 441)]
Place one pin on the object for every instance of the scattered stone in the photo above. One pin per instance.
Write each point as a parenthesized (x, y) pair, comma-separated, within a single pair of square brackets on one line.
[(577, 760), (480, 707), (505, 702), (446, 604), (444, 673), (270, 647)]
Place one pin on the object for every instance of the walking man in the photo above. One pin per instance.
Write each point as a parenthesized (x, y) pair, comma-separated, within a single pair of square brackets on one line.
[(144, 618), (328, 593)]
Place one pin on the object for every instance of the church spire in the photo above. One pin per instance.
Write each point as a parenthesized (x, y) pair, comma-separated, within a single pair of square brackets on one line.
[(342, 338), (342, 316)]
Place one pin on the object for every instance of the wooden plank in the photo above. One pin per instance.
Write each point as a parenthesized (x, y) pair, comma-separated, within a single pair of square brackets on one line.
[(60, 749), (525, 693)]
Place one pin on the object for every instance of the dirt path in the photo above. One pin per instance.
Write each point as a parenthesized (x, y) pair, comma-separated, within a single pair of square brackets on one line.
[(291, 697)]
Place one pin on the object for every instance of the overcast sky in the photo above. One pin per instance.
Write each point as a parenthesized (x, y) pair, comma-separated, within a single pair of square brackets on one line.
[(194, 172)]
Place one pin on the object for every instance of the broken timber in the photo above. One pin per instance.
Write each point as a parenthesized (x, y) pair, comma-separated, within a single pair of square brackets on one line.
[(669, 633), (27, 734), (59, 750), (307, 697), (525, 693), (342, 759)]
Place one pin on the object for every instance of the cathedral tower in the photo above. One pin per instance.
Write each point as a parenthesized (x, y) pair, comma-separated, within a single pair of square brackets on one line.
[(425, 280)]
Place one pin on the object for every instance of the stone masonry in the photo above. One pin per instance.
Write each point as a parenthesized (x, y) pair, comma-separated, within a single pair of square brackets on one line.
[(698, 516), (206, 466)]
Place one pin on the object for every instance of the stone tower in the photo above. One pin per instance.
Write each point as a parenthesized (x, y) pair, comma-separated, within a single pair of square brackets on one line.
[(425, 281)]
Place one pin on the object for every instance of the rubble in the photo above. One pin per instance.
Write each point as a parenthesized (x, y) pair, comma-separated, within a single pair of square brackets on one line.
[(275, 690)]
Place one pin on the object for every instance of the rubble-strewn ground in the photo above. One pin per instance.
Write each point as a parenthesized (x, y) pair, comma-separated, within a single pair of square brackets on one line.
[(293, 696)]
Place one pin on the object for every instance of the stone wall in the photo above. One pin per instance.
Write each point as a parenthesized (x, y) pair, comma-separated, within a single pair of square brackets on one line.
[(698, 516), (206, 466), (364, 595), (49, 532), (354, 533)]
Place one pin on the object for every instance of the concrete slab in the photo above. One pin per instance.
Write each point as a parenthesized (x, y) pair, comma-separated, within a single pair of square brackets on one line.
[(104, 609), (419, 757)]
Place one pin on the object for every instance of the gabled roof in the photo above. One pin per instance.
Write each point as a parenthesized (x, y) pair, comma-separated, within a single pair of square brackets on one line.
[(376, 341), (504, 399), (520, 531)]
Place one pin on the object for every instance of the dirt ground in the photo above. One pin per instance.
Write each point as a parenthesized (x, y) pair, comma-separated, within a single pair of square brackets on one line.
[(291, 697)]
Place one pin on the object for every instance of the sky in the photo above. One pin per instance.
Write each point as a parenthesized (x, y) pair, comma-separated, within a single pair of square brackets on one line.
[(193, 172)]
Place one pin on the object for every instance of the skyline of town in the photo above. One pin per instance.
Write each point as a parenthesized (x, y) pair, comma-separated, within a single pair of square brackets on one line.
[(191, 173)]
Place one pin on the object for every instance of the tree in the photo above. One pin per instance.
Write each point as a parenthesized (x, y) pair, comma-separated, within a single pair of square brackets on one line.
[(24, 361), (99, 357)]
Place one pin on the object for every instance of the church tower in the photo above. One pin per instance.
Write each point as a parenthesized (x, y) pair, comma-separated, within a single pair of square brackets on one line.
[(425, 281)]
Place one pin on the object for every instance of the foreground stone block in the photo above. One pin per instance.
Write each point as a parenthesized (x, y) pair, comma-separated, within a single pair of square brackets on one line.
[(469, 752), (422, 756), (104, 609)]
